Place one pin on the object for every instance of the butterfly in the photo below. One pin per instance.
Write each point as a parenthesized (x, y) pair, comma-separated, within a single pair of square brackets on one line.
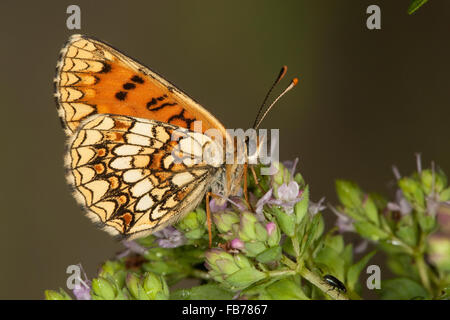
[(130, 158)]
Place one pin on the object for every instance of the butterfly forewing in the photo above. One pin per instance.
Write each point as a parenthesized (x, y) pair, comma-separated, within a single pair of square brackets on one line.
[(92, 77)]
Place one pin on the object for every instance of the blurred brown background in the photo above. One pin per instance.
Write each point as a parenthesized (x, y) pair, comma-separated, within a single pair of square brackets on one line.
[(366, 100)]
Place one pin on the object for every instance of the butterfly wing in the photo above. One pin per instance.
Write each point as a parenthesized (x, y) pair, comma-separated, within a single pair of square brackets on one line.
[(94, 78), (128, 174)]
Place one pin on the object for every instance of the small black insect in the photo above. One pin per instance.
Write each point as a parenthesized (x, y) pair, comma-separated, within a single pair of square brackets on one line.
[(334, 282)]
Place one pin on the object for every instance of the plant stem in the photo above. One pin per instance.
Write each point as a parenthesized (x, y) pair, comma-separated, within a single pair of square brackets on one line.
[(422, 267), (322, 285), (200, 274)]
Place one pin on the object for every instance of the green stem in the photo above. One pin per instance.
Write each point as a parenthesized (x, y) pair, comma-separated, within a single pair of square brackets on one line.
[(322, 285), (277, 273), (200, 274), (422, 267), (288, 262)]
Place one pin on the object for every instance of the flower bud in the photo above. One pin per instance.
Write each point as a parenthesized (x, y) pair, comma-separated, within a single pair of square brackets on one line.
[(247, 226), (103, 289), (412, 191), (53, 295), (274, 234), (225, 220), (193, 224), (134, 286), (236, 243), (155, 287), (429, 180), (213, 255)]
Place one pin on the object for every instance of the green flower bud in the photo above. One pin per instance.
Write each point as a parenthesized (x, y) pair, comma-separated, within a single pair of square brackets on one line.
[(412, 191), (111, 267), (134, 287), (225, 220), (426, 178), (213, 255), (155, 287), (247, 230), (274, 234), (193, 224), (53, 295), (103, 289)]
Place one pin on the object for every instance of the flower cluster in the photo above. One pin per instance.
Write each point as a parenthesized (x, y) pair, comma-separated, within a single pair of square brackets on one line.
[(275, 246)]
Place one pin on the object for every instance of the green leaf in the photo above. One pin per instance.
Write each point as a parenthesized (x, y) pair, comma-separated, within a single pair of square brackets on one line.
[(370, 231), (204, 292), (331, 261), (427, 223), (301, 207), (402, 265), (285, 221), (271, 254), (402, 289), (254, 248), (371, 210), (312, 232), (244, 277), (355, 270), (286, 289), (408, 234), (444, 195), (349, 193), (415, 5)]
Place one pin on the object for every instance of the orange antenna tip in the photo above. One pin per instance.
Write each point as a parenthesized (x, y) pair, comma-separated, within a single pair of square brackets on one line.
[(295, 81)]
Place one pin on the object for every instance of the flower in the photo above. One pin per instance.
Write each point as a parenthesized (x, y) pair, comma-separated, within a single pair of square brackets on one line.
[(82, 290), (344, 223), (315, 208), (271, 227), (400, 204), (131, 247), (237, 243), (214, 207), (170, 238), (287, 196)]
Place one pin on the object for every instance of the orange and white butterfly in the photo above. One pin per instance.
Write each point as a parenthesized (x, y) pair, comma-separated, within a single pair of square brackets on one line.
[(120, 118)]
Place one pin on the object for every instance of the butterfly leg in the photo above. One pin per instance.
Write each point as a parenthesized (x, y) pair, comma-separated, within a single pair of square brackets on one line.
[(208, 217), (246, 187), (255, 177)]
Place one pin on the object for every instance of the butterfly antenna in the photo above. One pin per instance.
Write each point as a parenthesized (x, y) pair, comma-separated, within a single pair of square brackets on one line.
[(280, 76), (291, 85)]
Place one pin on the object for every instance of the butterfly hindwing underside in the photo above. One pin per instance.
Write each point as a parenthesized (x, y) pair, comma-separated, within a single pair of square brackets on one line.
[(127, 173)]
